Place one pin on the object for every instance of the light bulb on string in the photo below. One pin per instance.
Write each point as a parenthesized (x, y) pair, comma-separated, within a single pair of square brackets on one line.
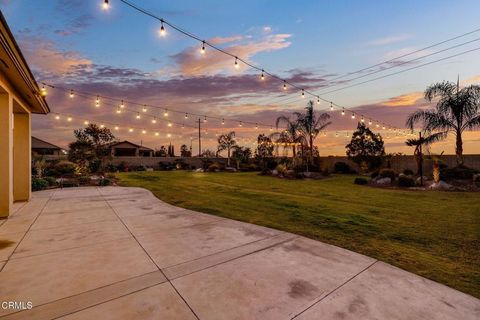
[(303, 93), (165, 113), (236, 63), (240, 124), (205, 119), (119, 110), (116, 128), (57, 117), (138, 116), (169, 135), (223, 121), (284, 85), (122, 104), (144, 109), (69, 119), (86, 122), (362, 120), (43, 91), (262, 76), (156, 134), (144, 131), (202, 51), (154, 120), (377, 125), (105, 5), (256, 127), (331, 106), (102, 126), (370, 122), (97, 102), (318, 100), (343, 111), (271, 128), (71, 95), (353, 115), (130, 130), (183, 126), (170, 123), (186, 115), (336, 134), (162, 32)]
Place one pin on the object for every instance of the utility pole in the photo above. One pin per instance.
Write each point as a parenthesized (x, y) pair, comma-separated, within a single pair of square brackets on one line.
[(199, 139), (421, 158)]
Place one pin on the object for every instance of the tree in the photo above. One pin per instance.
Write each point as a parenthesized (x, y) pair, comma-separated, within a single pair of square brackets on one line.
[(92, 144), (423, 141), (366, 148), (456, 111), (241, 154), (227, 142), (171, 150), (162, 152), (185, 151), (290, 135), (310, 125), (264, 149)]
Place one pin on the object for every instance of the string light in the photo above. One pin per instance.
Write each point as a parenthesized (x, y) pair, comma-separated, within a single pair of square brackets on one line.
[(202, 51), (154, 120), (156, 134), (130, 130), (169, 135), (97, 102), (362, 120), (343, 111), (205, 119), (144, 131), (262, 77), (69, 119), (318, 100), (102, 126), (284, 85), (119, 110), (353, 115), (43, 91), (105, 5), (186, 115), (116, 128), (144, 109), (370, 122), (169, 123), (256, 127), (122, 104), (57, 117), (163, 32), (138, 116), (303, 93), (240, 124), (236, 63), (71, 94), (331, 106), (165, 113), (86, 122), (223, 121)]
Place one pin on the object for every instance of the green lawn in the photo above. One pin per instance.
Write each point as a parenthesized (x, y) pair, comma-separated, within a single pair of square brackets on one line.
[(433, 234)]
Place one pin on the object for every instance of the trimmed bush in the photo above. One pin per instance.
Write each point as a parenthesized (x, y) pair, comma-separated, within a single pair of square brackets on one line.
[(374, 174), (65, 168), (105, 182), (360, 181), (406, 181), (387, 173), (342, 167), (84, 179), (281, 168), (408, 172), (214, 167), (459, 173), (51, 181), (39, 184)]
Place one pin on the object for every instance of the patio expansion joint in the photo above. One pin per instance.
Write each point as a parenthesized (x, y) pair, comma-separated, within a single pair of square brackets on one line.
[(323, 297), (29, 227), (148, 255)]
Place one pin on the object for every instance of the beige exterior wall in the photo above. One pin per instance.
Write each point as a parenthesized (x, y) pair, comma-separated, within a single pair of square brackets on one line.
[(22, 171), (6, 153)]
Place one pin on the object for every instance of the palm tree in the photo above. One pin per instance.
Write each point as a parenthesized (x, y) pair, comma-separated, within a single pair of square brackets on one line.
[(291, 135), (310, 125), (424, 140), (456, 111), (227, 142)]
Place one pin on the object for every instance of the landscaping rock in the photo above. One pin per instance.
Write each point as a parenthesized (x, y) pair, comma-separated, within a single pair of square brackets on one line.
[(275, 172), (383, 181), (230, 169), (199, 170), (441, 185), (418, 180)]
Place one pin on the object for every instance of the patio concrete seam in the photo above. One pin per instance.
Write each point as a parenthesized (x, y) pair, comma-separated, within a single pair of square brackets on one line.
[(151, 259), (21, 313), (66, 249), (335, 289), (29, 227), (235, 258), (72, 224)]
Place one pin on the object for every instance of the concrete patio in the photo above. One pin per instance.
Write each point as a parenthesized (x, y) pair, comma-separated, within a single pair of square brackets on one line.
[(120, 253)]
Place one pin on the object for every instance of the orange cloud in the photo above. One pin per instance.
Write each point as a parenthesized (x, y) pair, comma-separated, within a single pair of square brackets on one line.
[(472, 80), (404, 100), (192, 63)]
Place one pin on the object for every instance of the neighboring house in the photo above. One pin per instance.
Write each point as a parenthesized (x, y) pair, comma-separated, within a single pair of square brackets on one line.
[(44, 148), (20, 96), (129, 149)]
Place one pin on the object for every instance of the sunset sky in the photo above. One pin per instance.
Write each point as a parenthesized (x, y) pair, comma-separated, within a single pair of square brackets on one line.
[(119, 53)]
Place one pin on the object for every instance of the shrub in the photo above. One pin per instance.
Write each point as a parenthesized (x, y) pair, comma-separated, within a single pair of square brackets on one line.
[(68, 183), (140, 168), (387, 173), (94, 166), (406, 181), (281, 168), (51, 181), (84, 179), (65, 168), (408, 172), (214, 167), (360, 181), (110, 168), (39, 184), (342, 167), (105, 182), (374, 174), (122, 166), (459, 172), (476, 180)]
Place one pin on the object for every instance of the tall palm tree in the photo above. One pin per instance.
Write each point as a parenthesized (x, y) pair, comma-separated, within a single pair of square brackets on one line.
[(310, 125), (424, 140), (456, 111), (227, 142), (291, 135)]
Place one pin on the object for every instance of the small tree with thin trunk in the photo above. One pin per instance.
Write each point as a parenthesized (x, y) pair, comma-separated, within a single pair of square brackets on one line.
[(227, 142), (366, 148)]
